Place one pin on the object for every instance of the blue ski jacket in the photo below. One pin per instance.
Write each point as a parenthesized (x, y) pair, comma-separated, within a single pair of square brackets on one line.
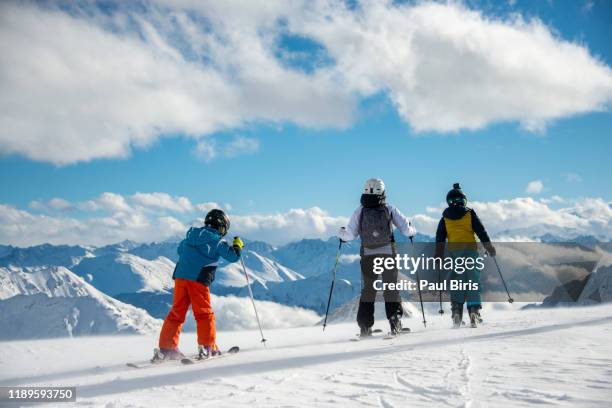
[(199, 255)]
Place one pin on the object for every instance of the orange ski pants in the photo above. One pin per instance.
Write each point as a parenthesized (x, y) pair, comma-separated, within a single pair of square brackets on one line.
[(197, 295)]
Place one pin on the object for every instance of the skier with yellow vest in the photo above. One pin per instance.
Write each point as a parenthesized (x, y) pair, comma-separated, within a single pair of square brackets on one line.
[(460, 225)]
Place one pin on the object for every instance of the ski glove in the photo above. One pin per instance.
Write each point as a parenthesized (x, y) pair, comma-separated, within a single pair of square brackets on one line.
[(490, 249), (237, 244), (411, 230), (343, 235)]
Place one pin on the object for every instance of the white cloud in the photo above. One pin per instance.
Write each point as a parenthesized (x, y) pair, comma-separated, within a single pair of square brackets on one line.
[(60, 204), (241, 145), (289, 226), (210, 148), (96, 85), (234, 313), (534, 187), (163, 201), (37, 205), (23, 228), (592, 216), (112, 202), (93, 86), (206, 207), (522, 216), (448, 68), (552, 200), (206, 149), (349, 258)]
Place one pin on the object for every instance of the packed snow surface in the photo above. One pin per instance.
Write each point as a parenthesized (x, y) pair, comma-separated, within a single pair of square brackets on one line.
[(546, 357)]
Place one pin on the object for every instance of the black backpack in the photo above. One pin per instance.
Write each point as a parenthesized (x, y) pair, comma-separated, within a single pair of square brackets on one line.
[(375, 227)]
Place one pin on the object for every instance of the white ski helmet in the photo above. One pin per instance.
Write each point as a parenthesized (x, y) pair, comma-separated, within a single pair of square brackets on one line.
[(374, 186)]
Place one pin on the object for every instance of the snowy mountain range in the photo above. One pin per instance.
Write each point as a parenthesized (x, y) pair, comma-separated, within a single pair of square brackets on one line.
[(126, 286)]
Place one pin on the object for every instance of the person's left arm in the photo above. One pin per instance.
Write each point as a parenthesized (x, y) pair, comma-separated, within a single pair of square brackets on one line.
[(401, 222), (227, 252), (482, 235)]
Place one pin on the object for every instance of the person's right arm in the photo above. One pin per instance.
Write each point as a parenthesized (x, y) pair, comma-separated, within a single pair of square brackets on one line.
[(352, 229)]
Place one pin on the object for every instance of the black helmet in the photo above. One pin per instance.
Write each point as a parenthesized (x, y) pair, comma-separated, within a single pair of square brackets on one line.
[(456, 196), (218, 220)]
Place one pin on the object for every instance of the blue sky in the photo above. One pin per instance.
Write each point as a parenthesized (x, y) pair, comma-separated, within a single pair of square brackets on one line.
[(296, 162)]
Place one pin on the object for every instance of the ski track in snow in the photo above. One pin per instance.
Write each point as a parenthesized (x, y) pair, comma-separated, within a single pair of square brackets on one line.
[(558, 357)]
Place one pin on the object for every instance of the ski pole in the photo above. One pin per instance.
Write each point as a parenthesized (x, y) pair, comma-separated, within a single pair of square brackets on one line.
[(441, 311), (331, 289), (263, 340), (510, 300), (419, 286)]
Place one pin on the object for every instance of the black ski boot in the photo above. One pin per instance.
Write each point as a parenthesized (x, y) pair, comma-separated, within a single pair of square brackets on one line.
[(395, 323), (475, 318), (457, 314), (365, 332)]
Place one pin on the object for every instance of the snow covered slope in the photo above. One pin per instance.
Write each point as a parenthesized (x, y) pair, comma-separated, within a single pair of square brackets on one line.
[(40, 316), (119, 272), (554, 357), (54, 302), (598, 288), (348, 311), (49, 280), (260, 269)]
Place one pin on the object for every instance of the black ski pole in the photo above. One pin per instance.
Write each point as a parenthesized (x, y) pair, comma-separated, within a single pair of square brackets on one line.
[(263, 339), (419, 286), (331, 289), (441, 311), (510, 300)]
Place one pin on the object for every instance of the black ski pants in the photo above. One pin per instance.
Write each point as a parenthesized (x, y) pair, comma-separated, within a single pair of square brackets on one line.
[(393, 305)]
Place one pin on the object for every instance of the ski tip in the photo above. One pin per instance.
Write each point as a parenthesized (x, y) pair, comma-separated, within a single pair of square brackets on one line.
[(233, 350), (186, 361)]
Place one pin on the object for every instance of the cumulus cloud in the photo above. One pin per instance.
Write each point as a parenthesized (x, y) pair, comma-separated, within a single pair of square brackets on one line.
[(292, 225), (84, 84), (447, 67), (163, 201), (118, 218), (60, 204), (23, 228), (534, 187), (592, 216)]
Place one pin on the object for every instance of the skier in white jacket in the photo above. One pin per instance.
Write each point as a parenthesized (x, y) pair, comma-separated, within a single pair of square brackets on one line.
[(373, 222)]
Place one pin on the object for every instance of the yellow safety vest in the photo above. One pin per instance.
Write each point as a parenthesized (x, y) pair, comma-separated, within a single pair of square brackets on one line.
[(460, 233)]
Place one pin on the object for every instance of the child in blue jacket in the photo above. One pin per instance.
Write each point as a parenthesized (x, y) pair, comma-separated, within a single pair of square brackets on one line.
[(199, 255)]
